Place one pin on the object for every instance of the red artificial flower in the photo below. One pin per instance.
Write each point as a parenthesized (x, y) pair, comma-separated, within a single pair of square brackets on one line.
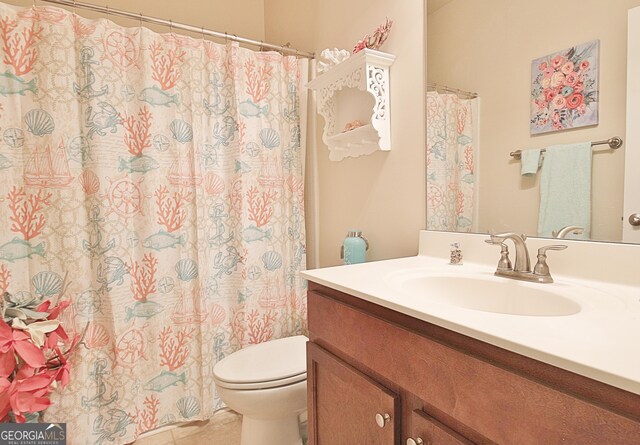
[(55, 311), (14, 341), (26, 375), (59, 333), (22, 396), (4, 398), (61, 373), (55, 336)]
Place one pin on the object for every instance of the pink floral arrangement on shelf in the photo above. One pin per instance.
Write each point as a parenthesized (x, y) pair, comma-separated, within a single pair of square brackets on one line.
[(34, 353), (565, 89), (375, 41)]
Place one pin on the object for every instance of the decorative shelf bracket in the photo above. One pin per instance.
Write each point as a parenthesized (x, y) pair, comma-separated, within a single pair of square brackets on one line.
[(368, 71)]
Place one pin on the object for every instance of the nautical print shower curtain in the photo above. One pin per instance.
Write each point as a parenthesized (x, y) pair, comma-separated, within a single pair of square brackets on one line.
[(451, 176), (162, 175)]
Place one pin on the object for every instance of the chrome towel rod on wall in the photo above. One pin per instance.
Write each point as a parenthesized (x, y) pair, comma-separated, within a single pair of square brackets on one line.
[(175, 25), (614, 143)]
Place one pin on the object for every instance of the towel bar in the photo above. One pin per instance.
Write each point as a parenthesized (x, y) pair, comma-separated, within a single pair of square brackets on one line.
[(614, 143)]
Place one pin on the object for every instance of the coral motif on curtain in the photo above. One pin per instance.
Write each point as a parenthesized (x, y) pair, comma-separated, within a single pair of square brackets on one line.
[(163, 174), (450, 163)]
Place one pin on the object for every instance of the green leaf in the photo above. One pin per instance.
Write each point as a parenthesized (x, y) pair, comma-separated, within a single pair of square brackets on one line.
[(34, 314), (11, 312)]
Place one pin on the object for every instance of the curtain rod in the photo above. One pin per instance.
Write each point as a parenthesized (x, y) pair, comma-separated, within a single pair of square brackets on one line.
[(437, 86), (171, 24)]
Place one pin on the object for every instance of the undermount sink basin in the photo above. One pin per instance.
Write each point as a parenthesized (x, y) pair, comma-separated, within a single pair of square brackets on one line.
[(490, 294)]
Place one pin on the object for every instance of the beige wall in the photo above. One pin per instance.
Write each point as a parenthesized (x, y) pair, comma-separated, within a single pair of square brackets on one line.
[(292, 21), (488, 47), (383, 193), (242, 17)]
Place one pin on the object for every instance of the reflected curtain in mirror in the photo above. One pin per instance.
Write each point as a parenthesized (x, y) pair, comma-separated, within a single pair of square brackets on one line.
[(451, 158)]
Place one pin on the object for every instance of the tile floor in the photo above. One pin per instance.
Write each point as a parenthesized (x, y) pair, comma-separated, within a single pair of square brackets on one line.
[(222, 429)]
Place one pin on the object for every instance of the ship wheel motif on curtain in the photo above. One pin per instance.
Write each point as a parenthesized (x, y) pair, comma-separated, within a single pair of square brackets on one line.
[(130, 348), (125, 197), (120, 49)]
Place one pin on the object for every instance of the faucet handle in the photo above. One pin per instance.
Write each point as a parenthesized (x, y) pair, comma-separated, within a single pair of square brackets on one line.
[(541, 267), (504, 263), (543, 250)]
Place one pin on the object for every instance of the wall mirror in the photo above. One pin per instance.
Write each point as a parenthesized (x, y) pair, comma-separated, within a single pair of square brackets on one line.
[(487, 48)]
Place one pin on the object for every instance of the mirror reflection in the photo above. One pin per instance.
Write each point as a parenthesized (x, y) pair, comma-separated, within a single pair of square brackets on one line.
[(496, 69)]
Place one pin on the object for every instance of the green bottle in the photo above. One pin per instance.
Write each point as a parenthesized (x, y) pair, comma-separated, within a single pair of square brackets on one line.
[(355, 247)]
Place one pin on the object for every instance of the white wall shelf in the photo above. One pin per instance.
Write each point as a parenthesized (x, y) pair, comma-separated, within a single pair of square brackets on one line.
[(366, 72)]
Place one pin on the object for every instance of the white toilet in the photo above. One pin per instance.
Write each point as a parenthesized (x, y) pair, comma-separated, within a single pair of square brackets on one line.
[(267, 384)]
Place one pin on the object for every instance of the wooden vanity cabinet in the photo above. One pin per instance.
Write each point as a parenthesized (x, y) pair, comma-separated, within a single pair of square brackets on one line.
[(444, 388), (350, 407), (430, 431)]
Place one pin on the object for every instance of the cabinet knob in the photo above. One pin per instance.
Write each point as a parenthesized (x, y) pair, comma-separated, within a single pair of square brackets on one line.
[(416, 441), (382, 419), (634, 219)]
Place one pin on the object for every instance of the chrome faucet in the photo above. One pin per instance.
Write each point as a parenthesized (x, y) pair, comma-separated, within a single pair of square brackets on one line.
[(522, 265), (562, 233)]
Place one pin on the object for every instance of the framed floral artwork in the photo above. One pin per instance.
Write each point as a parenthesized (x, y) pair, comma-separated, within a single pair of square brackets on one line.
[(564, 89)]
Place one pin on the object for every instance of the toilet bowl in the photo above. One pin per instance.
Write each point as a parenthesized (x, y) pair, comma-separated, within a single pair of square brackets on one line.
[(267, 384)]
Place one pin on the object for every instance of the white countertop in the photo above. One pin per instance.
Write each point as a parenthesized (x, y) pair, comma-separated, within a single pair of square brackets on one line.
[(602, 341)]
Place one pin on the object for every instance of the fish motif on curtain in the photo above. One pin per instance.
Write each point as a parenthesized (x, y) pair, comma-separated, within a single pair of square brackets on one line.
[(163, 175), (450, 163)]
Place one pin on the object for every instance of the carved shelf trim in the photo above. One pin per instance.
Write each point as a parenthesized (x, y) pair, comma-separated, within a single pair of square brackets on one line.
[(368, 71)]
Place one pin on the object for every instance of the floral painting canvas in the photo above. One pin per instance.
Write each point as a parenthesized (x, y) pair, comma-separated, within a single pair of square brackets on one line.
[(564, 90)]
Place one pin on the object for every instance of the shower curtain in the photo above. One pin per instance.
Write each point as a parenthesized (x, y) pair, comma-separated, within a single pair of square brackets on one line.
[(451, 159), (162, 176)]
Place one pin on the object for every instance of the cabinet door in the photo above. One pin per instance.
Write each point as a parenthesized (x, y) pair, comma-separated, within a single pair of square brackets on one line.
[(346, 407), (428, 431)]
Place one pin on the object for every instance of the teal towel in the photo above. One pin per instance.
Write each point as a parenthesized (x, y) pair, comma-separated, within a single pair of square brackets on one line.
[(530, 161), (565, 189)]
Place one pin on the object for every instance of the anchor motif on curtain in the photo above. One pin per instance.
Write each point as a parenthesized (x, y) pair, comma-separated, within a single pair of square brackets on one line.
[(86, 91)]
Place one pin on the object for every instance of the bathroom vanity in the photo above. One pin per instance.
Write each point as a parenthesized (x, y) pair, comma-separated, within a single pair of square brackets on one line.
[(386, 366)]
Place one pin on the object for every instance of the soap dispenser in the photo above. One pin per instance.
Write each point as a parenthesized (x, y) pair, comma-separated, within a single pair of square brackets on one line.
[(354, 247), (455, 258)]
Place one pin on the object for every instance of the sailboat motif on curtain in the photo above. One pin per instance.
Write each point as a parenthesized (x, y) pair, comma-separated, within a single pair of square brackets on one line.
[(47, 169), (163, 174), (183, 171)]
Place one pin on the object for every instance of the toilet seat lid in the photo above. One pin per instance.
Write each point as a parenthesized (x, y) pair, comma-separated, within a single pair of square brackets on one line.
[(274, 361)]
